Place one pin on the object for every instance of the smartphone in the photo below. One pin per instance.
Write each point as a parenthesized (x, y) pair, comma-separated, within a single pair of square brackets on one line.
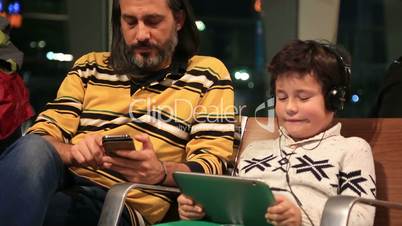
[(112, 143)]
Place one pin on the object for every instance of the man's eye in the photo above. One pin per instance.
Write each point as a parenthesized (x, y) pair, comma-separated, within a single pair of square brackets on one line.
[(154, 21), (130, 22)]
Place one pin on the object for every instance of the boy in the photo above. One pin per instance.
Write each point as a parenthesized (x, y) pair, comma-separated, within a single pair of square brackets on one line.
[(310, 160)]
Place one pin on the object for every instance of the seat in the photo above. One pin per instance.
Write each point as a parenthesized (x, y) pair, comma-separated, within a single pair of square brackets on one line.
[(114, 201), (383, 134), (337, 208)]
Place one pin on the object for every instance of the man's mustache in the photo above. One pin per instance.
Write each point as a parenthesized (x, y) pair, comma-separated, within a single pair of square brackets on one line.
[(142, 45)]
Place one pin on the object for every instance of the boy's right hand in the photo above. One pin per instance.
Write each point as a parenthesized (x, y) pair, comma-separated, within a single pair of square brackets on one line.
[(188, 209)]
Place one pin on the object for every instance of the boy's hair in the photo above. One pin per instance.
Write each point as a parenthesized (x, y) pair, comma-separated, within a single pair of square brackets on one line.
[(327, 63)]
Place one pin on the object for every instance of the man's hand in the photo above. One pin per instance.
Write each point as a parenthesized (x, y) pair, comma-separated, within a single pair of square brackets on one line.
[(142, 166), (88, 152), (284, 213)]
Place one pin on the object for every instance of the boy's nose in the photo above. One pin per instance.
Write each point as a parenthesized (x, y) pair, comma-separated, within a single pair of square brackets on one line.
[(291, 106)]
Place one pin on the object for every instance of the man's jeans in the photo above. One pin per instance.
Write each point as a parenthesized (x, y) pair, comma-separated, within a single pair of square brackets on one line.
[(36, 189)]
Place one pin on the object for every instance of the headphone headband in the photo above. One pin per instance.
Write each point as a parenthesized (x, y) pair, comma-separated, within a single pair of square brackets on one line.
[(337, 96)]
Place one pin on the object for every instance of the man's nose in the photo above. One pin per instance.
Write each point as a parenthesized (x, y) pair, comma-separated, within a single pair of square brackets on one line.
[(143, 32)]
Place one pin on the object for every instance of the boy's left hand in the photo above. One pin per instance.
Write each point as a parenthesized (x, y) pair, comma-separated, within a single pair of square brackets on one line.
[(188, 209), (283, 213)]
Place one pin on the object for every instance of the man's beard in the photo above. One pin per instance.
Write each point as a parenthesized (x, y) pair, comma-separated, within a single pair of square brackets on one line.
[(145, 63)]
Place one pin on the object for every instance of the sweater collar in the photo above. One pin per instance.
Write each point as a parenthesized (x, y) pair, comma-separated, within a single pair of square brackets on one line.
[(309, 143)]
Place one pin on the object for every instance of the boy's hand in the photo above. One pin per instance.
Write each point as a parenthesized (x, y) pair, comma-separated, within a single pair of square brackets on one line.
[(188, 210), (284, 213)]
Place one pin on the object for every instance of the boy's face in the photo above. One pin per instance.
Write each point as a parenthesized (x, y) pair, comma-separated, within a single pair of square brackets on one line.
[(300, 105)]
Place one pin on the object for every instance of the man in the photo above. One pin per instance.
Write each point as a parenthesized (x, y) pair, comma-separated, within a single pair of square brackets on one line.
[(177, 106)]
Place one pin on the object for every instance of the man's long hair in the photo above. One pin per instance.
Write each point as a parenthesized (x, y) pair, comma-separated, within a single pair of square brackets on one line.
[(188, 37)]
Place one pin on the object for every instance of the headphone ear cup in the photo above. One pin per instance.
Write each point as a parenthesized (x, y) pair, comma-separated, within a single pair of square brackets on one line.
[(335, 99), (329, 100)]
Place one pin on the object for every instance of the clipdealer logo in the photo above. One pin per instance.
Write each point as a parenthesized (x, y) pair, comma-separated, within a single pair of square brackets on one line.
[(155, 113), (267, 106)]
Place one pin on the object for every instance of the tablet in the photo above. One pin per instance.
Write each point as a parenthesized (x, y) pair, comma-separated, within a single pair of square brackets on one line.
[(227, 199)]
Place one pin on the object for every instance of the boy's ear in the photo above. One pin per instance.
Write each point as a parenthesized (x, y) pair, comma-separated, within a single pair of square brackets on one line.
[(180, 18)]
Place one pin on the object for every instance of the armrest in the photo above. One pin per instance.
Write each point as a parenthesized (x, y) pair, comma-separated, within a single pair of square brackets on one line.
[(337, 208), (114, 201)]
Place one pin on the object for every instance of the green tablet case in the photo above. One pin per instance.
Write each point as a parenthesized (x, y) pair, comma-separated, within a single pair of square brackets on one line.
[(226, 199)]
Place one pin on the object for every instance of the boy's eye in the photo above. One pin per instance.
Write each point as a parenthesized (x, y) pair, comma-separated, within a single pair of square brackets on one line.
[(281, 97), (304, 97)]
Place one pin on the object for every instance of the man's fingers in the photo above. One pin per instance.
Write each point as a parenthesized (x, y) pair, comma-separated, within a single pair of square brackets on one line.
[(122, 162), (85, 150), (96, 150), (146, 142), (78, 158), (128, 173)]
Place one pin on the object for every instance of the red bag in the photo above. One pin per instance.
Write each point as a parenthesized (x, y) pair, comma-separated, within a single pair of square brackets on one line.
[(14, 103)]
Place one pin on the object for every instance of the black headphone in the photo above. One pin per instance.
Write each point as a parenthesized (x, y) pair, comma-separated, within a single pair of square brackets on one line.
[(336, 97)]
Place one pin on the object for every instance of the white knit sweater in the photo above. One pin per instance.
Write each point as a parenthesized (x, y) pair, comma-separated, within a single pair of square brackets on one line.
[(325, 165)]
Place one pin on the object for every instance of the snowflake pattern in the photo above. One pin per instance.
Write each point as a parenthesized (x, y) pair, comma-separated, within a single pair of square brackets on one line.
[(315, 167), (260, 164), (352, 181)]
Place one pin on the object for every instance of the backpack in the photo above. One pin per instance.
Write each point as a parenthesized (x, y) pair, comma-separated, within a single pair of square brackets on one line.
[(14, 103)]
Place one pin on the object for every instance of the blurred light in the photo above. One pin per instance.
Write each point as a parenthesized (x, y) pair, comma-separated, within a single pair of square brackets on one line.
[(41, 44), (14, 8), (15, 20), (246, 76), (59, 56), (200, 25), (237, 75), (1, 6), (11, 8), (50, 55), (17, 7), (355, 98), (242, 75), (257, 6), (251, 85), (32, 44)]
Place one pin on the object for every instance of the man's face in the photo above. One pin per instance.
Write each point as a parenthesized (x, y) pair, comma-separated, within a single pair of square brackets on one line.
[(150, 30), (300, 105)]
